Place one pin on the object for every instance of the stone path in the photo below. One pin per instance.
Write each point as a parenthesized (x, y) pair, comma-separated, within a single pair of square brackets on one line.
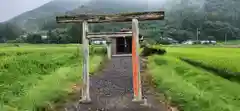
[(111, 90)]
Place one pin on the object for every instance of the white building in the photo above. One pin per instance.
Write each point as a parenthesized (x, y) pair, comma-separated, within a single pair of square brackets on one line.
[(188, 42), (200, 42), (98, 42), (208, 42), (44, 36)]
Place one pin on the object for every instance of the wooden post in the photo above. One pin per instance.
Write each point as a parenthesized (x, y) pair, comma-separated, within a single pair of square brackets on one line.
[(109, 49), (85, 41), (197, 34), (225, 37), (136, 62)]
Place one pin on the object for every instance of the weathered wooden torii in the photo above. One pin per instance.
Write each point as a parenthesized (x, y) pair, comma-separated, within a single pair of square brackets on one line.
[(123, 17)]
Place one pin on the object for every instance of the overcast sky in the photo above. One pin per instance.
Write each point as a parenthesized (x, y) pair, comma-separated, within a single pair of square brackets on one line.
[(11, 8)]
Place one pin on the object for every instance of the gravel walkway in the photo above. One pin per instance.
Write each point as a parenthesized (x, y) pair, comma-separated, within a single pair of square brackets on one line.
[(111, 90)]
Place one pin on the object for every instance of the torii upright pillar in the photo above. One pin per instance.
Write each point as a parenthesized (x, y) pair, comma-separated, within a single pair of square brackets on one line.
[(137, 87), (85, 75)]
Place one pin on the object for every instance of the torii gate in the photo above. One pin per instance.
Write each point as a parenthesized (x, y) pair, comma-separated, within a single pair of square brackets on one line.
[(124, 17)]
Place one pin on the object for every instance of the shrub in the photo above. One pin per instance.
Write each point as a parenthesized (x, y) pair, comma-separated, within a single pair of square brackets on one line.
[(150, 50), (94, 50)]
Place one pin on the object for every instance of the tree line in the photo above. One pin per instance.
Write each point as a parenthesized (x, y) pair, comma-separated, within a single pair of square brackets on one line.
[(69, 34)]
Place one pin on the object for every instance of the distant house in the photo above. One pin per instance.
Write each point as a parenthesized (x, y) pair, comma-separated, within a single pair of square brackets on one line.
[(189, 42), (213, 42), (199, 42), (44, 36), (98, 41), (208, 42), (170, 40), (204, 42)]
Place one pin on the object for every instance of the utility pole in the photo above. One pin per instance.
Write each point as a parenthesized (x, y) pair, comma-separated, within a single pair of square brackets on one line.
[(225, 38), (198, 33)]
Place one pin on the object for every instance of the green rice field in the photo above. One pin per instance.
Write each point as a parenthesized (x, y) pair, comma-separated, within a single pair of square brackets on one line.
[(198, 78), (35, 76)]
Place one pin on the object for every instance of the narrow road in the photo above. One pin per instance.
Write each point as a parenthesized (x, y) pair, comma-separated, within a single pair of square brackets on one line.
[(111, 90)]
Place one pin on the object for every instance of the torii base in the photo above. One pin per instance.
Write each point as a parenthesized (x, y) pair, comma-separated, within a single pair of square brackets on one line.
[(85, 101), (142, 102), (138, 100)]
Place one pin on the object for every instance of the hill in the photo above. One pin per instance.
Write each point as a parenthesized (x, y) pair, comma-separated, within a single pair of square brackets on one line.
[(112, 6), (118, 6), (31, 20), (35, 19)]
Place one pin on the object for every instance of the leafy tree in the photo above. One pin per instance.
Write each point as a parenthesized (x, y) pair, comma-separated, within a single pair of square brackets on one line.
[(34, 38), (58, 36), (10, 31), (75, 32)]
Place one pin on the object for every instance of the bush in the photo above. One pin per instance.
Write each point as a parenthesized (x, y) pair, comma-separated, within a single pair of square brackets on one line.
[(94, 50), (150, 50)]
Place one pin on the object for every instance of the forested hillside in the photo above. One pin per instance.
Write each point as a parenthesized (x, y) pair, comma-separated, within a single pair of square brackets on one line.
[(214, 19)]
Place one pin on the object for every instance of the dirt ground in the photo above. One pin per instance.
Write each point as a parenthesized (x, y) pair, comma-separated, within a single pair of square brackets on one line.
[(111, 90)]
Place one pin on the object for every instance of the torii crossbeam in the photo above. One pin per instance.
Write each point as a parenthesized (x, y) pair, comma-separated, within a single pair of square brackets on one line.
[(122, 17)]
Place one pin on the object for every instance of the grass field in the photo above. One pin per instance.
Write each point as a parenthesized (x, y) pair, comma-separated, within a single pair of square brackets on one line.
[(223, 61), (194, 87), (35, 76)]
